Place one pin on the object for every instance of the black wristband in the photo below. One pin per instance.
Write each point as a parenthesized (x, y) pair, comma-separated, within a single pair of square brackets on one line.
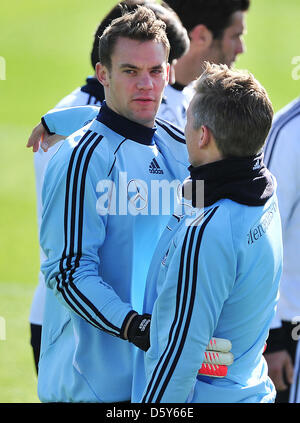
[(138, 332)]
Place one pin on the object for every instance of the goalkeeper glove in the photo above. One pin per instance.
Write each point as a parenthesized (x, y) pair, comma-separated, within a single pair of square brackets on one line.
[(217, 358)]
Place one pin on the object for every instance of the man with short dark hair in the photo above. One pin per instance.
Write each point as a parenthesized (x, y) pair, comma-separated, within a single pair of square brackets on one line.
[(215, 29), (217, 266), (91, 222), (93, 93)]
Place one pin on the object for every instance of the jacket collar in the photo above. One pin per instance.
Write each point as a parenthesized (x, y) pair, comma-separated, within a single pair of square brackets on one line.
[(125, 127), (243, 180)]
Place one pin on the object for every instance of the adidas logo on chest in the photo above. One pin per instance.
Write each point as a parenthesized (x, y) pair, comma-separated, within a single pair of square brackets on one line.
[(154, 168)]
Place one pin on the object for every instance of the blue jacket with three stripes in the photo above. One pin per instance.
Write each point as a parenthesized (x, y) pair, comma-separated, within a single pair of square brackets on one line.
[(215, 272), (102, 218)]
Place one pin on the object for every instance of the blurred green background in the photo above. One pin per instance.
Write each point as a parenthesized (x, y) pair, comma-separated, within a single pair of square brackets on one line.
[(45, 46)]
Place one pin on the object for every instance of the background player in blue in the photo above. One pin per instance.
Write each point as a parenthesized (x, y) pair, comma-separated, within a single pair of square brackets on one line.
[(217, 267), (282, 157)]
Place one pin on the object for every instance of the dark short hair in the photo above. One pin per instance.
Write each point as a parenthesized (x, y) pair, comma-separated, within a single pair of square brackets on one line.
[(141, 24), (176, 33), (235, 107), (214, 14)]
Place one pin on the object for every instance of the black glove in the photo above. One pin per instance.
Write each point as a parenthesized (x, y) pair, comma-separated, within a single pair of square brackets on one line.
[(138, 332)]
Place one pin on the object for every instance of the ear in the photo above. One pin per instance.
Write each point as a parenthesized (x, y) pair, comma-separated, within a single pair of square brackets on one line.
[(201, 35), (172, 78), (170, 74), (205, 136), (208, 145), (102, 74)]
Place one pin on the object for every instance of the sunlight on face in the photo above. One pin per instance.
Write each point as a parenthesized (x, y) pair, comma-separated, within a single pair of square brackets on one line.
[(231, 45), (136, 81)]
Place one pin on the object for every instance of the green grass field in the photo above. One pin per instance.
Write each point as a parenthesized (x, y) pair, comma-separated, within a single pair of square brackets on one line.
[(45, 46)]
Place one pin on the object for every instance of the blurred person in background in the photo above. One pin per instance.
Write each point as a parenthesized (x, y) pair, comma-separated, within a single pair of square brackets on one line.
[(216, 29), (282, 156)]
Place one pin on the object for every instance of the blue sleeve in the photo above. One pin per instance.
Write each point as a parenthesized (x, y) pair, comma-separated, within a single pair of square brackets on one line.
[(72, 232), (195, 280), (68, 120)]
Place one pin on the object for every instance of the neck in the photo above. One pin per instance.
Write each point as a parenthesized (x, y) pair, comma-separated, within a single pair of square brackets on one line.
[(207, 160), (185, 69)]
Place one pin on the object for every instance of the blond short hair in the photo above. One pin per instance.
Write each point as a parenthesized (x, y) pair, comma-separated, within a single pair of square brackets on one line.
[(235, 107)]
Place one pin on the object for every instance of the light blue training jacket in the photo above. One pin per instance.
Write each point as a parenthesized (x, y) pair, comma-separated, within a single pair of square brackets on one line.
[(215, 272), (102, 219)]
